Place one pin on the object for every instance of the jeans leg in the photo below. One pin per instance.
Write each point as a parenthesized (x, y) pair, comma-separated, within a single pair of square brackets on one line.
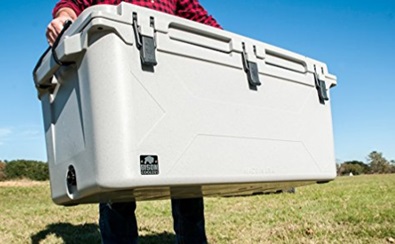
[(188, 215), (118, 223)]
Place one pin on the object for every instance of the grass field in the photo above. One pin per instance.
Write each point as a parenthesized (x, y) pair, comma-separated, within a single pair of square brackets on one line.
[(359, 209)]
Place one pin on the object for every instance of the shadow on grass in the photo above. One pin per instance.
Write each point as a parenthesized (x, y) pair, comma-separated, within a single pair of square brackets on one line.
[(86, 233), (89, 233)]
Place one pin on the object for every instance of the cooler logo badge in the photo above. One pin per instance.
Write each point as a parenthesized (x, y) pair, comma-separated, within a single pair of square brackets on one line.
[(149, 164)]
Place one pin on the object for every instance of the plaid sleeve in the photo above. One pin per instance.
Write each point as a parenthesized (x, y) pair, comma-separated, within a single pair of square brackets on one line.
[(191, 9), (76, 5)]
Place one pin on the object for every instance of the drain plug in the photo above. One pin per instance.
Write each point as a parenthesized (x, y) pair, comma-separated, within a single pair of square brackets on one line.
[(71, 180)]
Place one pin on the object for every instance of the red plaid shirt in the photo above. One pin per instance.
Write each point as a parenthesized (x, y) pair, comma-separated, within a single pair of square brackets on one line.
[(189, 9)]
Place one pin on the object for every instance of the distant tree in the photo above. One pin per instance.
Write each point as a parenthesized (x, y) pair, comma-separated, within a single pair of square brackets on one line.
[(392, 165), (354, 167), (2, 171), (34, 170), (378, 164), (339, 168), (358, 166)]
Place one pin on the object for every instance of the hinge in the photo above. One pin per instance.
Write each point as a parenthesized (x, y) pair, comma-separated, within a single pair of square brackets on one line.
[(321, 87), (146, 44), (251, 68)]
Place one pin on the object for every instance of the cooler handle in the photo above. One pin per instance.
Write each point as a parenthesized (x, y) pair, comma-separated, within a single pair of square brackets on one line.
[(66, 25), (38, 85)]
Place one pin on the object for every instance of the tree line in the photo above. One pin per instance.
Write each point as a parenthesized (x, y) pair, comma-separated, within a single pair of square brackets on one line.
[(376, 164), (24, 169), (38, 170)]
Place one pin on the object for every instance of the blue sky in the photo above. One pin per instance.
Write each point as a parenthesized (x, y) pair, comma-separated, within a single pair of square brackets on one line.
[(356, 39)]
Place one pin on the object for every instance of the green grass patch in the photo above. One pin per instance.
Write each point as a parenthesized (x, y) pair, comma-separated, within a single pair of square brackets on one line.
[(359, 209)]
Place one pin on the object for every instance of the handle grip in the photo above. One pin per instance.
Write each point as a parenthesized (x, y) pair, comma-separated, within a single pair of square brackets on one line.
[(38, 85), (66, 25)]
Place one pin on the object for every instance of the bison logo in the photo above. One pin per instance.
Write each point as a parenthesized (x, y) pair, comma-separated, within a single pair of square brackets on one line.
[(149, 160), (149, 165)]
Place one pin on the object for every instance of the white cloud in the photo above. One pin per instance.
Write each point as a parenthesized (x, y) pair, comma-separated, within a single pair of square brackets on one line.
[(30, 133), (22, 141), (19, 134), (5, 131), (4, 134)]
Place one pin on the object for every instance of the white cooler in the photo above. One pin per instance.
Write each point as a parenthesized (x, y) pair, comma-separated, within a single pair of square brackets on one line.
[(142, 105)]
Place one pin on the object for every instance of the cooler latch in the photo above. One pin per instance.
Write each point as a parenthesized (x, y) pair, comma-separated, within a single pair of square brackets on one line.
[(321, 88), (251, 68), (146, 44)]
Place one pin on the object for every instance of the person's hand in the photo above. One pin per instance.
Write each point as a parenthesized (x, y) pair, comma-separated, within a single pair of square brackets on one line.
[(56, 25)]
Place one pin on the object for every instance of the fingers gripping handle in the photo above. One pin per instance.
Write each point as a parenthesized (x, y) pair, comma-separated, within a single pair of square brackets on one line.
[(43, 83), (66, 25)]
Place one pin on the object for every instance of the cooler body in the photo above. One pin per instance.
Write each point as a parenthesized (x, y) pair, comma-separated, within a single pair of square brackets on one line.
[(141, 105)]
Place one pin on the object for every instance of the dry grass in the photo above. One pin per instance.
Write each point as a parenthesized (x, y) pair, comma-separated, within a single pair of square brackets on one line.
[(22, 183), (349, 210)]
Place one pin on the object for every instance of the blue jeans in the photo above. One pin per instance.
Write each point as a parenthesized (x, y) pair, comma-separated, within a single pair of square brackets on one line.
[(118, 221)]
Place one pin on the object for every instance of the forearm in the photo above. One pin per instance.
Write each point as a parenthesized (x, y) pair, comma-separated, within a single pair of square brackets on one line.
[(56, 25), (73, 7), (66, 12)]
